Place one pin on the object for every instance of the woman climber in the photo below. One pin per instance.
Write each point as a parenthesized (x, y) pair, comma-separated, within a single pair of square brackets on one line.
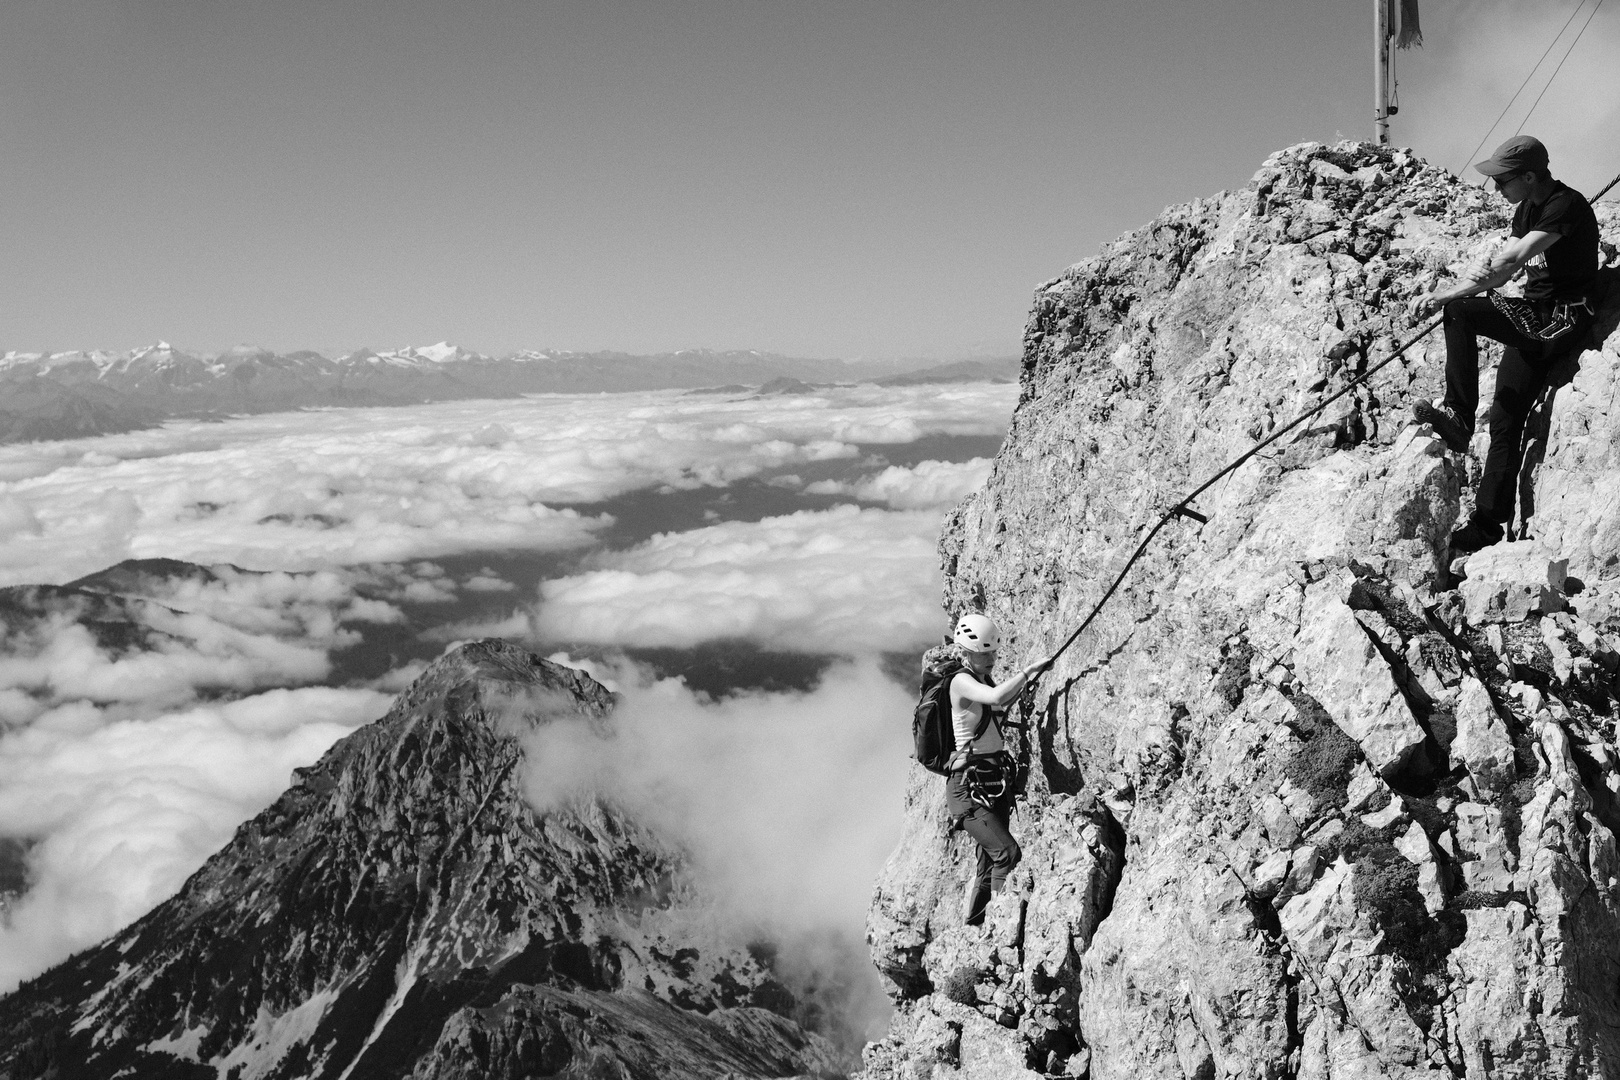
[(979, 791)]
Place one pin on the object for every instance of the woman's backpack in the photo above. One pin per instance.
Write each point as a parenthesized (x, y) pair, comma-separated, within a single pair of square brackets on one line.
[(933, 736)]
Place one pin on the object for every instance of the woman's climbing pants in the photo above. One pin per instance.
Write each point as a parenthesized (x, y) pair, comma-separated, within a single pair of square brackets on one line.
[(982, 805)]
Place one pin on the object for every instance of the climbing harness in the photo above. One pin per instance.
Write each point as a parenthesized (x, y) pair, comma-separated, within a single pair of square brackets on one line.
[(988, 778), (1541, 321), (1340, 352)]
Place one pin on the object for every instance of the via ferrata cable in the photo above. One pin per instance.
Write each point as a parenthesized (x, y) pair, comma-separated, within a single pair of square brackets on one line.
[(1184, 508)]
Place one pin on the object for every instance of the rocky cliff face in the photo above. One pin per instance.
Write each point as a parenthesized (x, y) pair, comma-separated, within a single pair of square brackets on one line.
[(402, 911), (1303, 802)]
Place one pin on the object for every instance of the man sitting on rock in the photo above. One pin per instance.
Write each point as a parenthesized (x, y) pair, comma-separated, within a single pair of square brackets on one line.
[(1556, 244)]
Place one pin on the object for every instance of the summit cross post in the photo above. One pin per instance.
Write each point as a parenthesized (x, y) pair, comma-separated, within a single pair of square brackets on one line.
[(1381, 38)]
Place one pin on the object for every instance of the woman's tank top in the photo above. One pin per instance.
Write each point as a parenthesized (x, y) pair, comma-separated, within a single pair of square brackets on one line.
[(964, 721)]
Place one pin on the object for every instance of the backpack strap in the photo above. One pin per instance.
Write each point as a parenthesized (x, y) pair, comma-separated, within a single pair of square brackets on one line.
[(984, 724)]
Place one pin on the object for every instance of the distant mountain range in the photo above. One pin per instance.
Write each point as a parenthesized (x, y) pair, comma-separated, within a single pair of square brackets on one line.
[(73, 394)]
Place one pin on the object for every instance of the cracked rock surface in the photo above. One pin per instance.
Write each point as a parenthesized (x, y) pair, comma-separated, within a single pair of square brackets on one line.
[(401, 911), (1305, 800)]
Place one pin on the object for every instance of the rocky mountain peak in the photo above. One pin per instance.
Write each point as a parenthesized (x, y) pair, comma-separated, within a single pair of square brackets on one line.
[(403, 911), (1306, 799)]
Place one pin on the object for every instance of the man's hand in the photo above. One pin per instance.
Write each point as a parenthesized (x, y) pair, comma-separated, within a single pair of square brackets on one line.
[(1478, 270), (1423, 307)]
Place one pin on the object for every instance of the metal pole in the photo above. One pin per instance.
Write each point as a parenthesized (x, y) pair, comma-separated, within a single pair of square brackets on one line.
[(1381, 72)]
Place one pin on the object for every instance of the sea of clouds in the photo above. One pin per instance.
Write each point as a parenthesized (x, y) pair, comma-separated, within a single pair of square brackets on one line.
[(126, 761), (309, 490)]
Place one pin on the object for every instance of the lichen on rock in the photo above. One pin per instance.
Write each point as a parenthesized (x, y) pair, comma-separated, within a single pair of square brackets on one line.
[(1294, 805)]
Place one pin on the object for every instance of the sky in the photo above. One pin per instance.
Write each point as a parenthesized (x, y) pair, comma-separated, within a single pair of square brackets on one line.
[(799, 526), (882, 178)]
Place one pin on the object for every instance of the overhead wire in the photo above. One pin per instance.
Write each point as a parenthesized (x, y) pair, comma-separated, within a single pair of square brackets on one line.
[(1532, 74), (1560, 66)]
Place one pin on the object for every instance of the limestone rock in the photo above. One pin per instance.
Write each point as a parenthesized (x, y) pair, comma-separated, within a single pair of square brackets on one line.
[(1482, 743), (1482, 849), (1340, 666), (1414, 845), (1392, 814), (1296, 683), (1507, 582)]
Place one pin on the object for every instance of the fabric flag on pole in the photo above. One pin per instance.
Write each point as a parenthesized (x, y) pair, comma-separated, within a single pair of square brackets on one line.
[(1411, 33)]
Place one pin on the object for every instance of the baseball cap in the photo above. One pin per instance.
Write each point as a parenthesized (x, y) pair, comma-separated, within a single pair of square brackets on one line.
[(1519, 154)]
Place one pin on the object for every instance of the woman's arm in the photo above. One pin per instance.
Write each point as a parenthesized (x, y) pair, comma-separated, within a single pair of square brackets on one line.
[(971, 689)]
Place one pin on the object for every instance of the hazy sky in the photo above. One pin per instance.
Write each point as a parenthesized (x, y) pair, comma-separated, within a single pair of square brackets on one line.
[(823, 178)]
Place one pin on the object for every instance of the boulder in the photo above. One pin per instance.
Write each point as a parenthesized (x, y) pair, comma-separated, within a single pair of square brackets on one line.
[(1482, 850), (1482, 743), (1507, 582), (1339, 665)]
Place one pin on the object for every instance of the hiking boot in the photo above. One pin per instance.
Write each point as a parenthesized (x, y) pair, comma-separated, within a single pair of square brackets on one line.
[(974, 901), (1478, 533), (1446, 423)]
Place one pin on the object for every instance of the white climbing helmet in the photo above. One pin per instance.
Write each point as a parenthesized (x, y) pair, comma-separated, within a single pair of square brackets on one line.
[(977, 633)]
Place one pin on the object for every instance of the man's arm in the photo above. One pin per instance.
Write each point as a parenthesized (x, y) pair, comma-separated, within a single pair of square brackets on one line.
[(1501, 269)]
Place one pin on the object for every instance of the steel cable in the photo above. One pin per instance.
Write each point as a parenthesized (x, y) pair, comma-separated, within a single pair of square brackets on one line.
[(1560, 66), (1532, 74), (1183, 508)]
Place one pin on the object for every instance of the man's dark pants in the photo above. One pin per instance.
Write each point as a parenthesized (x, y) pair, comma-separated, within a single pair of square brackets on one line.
[(1520, 378)]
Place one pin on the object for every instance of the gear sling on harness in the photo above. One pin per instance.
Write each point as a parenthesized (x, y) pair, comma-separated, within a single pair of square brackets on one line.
[(988, 777), (1540, 321)]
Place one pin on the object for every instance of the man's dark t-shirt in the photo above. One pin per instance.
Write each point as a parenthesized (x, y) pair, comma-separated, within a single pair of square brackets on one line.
[(1566, 270)]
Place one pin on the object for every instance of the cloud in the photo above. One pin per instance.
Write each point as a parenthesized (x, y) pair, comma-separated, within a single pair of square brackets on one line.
[(519, 624), (927, 485), (788, 803), (308, 606), (122, 767), (1475, 56), (322, 489), (117, 774), (122, 811), (487, 580), (166, 640), (400, 678), (17, 519), (846, 580), (176, 655)]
